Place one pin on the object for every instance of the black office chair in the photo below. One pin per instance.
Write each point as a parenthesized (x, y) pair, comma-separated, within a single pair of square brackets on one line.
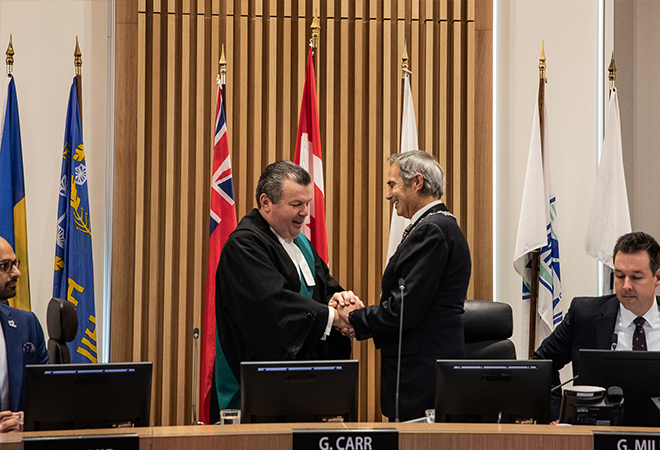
[(62, 322), (488, 327)]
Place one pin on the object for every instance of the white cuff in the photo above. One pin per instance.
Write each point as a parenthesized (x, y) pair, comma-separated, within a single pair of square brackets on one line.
[(328, 327)]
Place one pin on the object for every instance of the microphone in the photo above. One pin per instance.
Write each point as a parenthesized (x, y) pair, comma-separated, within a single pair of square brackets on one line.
[(194, 383), (559, 386), (402, 286), (615, 339)]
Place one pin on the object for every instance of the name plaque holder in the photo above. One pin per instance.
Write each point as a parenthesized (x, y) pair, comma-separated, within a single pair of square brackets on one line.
[(90, 442), (346, 439), (614, 440)]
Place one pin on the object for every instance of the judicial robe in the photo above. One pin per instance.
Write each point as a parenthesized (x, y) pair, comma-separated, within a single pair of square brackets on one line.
[(260, 313)]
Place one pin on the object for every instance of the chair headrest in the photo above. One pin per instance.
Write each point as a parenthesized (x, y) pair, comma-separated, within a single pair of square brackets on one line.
[(484, 320), (62, 320)]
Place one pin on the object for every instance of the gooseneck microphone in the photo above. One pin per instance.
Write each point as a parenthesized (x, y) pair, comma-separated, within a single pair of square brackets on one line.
[(615, 340), (402, 287), (559, 386), (194, 383)]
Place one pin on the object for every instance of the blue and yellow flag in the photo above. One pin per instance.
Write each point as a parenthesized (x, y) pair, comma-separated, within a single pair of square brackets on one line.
[(13, 222), (74, 271)]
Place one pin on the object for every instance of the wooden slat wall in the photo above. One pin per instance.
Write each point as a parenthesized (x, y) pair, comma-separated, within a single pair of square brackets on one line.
[(167, 53)]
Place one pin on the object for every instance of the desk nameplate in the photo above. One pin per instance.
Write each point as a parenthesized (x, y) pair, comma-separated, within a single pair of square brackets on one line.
[(606, 440), (104, 442), (346, 439)]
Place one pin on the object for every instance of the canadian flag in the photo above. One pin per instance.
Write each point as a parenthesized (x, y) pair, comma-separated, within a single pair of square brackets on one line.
[(308, 156)]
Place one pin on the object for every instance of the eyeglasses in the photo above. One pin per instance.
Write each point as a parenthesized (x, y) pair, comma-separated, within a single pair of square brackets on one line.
[(7, 264)]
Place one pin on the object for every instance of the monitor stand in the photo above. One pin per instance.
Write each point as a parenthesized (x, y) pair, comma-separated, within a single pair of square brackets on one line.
[(656, 402)]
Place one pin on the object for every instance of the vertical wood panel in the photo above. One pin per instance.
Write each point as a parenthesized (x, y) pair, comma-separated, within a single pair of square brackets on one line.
[(167, 332), (153, 231), (483, 135), (187, 183), (140, 168), (470, 163), (375, 131), (326, 105), (165, 110)]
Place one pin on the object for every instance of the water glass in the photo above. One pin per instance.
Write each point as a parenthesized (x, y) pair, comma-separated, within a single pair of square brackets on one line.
[(230, 417)]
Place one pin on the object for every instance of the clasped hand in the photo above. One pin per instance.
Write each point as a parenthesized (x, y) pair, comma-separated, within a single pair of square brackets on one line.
[(344, 302), (10, 421)]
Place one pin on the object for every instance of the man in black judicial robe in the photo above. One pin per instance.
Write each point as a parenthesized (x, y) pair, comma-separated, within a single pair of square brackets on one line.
[(433, 259), (264, 309)]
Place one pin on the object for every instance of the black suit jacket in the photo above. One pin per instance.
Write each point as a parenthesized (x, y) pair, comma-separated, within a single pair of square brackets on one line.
[(434, 261), (588, 324)]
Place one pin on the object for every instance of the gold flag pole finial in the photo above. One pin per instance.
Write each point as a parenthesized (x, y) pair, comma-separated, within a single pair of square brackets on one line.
[(316, 31), (612, 70), (404, 60), (10, 58), (223, 65), (77, 58), (542, 61)]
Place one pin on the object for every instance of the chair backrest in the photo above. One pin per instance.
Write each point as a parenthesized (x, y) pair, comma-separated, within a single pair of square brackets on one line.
[(62, 321), (488, 327)]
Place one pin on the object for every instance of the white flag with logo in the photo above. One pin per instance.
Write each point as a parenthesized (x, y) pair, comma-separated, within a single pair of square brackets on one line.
[(535, 232)]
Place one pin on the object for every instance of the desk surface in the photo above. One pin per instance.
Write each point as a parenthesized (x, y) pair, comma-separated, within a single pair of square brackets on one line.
[(438, 436)]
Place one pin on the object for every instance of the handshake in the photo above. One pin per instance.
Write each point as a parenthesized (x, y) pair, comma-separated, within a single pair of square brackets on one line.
[(344, 302)]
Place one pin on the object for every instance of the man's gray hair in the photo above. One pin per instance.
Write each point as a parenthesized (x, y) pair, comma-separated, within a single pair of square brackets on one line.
[(271, 181), (418, 162)]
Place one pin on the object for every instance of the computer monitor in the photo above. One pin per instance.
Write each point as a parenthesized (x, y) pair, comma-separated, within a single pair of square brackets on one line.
[(492, 391), (299, 391), (637, 373), (78, 396)]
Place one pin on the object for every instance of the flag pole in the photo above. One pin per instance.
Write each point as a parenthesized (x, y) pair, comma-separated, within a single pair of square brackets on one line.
[(612, 70), (404, 70), (10, 58), (316, 32), (222, 76), (77, 62), (534, 282)]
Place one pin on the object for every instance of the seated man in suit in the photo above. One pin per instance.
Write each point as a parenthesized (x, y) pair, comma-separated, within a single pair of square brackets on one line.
[(631, 318), (21, 342)]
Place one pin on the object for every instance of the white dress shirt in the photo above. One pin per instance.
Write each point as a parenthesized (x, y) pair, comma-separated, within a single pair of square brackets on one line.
[(4, 373), (419, 213), (304, 272), (625, 328)]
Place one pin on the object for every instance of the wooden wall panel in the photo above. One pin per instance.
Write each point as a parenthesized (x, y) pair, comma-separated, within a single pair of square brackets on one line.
[(167, 62)]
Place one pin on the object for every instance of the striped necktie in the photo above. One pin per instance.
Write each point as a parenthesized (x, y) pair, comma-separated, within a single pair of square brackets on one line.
[(406, 232)]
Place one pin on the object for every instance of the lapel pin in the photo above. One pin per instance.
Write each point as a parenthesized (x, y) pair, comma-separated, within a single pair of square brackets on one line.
[(11, 323)]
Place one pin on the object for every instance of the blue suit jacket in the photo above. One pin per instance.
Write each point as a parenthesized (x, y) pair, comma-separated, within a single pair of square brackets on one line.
[(24, 340)]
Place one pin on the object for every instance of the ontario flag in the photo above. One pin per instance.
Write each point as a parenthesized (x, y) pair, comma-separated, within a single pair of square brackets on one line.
[(309, 157), (223, 222)]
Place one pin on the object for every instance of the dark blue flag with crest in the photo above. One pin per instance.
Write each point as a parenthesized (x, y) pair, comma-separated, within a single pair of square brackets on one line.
[(74, 269)]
